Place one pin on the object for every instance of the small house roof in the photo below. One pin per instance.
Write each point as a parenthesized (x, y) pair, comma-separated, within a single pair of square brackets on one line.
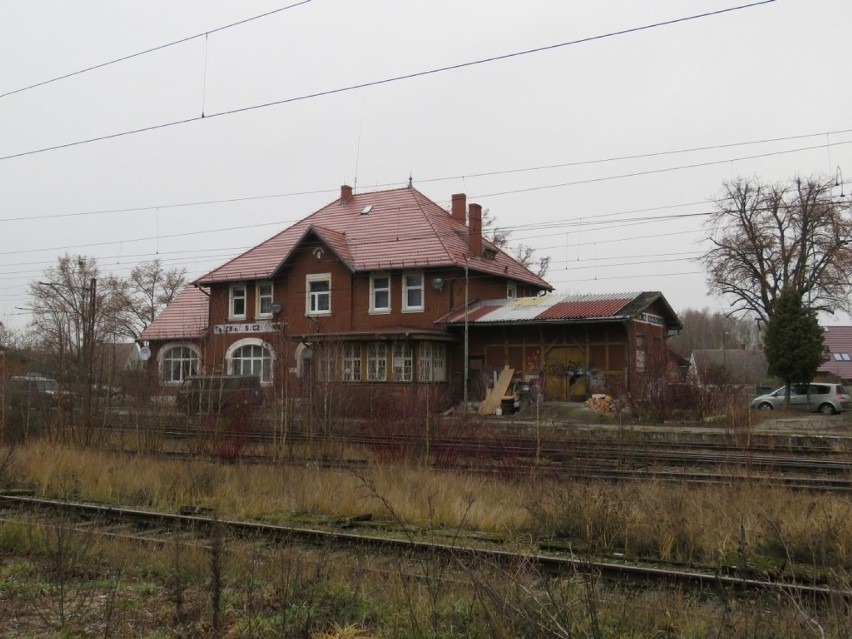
[(740, 365), (560, 309), (838, 342), (185, 318)]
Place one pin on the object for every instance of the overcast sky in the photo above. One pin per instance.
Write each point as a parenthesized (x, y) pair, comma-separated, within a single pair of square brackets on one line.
[(587, 152)]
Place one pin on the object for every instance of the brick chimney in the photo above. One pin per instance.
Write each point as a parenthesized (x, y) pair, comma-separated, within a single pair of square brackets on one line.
[(474, 231), (345, 193), (459, 206)]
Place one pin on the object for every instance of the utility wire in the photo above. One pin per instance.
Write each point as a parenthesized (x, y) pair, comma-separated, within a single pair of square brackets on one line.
[(590, 225), (640, 156), (250, 198), (151, 50), (363, 85), (669, 169)]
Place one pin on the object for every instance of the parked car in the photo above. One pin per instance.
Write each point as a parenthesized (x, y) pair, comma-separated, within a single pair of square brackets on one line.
[(37, 391), (217, 393), (828, 399)]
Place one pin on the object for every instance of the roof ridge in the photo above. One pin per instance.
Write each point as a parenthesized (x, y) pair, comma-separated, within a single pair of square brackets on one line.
[(438, 234)]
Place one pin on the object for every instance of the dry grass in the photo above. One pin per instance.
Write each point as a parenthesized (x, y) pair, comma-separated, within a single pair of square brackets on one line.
[(710, 525), (267, 592)]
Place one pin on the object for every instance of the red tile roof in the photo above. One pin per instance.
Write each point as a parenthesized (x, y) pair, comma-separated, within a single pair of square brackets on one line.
[(838, 340), (381, 230), (185, 318)]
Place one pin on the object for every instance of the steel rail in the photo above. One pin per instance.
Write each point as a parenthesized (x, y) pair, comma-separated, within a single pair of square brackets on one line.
[(547, 563)]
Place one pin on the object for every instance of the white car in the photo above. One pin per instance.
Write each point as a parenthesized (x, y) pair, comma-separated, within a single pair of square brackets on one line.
[(828, 399)]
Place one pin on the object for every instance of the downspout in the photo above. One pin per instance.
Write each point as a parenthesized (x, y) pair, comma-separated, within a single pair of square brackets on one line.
[(628, 373)]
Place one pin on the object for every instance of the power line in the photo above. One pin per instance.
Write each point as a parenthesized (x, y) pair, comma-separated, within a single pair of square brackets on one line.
[(627, 277), (397, 78), (657, 171), (249, 198), (151, 50), (640, 156), (252, 226)]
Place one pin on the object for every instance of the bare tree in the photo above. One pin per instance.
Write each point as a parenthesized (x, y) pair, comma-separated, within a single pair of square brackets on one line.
[(5, 336), (72, 309), (705, 329), (522, 252), (148, 290), (767, 238)]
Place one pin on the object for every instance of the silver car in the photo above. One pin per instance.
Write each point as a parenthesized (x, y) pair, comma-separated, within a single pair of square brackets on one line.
[(828, 399)]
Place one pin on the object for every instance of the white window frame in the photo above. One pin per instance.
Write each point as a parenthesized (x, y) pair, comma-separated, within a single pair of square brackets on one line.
[(403, 362), (374, 308), (411, 308), (161, 361), (233, 297), (260, 297), (424, 362), (377, 362), (431, 362), (352, 362), (312, 296), (439, 362), (325, 363), (511, 290), (266, 349)]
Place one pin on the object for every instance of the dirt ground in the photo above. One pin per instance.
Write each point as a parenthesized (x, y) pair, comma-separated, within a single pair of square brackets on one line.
[(776, 421)]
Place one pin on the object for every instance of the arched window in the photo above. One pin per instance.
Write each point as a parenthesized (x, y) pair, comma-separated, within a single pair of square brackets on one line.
[(250, 357), (178, 362)]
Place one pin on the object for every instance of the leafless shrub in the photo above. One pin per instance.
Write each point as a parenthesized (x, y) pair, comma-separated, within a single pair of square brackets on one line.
[(217, 581), (65, 559)]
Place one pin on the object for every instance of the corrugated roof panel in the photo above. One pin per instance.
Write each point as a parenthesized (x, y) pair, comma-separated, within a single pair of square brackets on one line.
[(547, 308), (576, 309)]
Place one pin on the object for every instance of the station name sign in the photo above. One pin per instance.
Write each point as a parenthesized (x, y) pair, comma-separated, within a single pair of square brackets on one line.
[(255, 327), (650, 318)]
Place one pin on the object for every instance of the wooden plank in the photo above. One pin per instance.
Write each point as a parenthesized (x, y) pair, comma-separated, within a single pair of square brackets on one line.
[(491, 403)]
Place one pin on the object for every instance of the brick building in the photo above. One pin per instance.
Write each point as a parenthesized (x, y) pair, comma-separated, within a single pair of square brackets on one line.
[(369, 293)]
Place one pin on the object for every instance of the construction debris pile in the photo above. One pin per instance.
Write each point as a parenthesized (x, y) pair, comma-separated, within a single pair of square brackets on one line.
[(601, 403)]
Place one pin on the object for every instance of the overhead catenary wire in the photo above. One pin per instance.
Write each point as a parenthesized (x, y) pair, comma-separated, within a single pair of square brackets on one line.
[(277, 223), (249, 198), (159, 47), (389, 80)]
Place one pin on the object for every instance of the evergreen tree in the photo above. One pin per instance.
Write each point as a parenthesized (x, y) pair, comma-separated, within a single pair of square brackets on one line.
[(794, 341)]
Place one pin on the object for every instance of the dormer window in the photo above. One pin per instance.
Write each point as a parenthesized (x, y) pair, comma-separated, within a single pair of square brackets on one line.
[(318, 294)]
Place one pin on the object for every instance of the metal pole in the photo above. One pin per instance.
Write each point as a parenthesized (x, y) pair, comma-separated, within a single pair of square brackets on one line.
[(90, 355), (465, 335)]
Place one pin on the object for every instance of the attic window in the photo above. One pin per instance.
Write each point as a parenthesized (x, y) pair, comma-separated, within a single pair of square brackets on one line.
[(841, 357), (367, 209), (489, 254)]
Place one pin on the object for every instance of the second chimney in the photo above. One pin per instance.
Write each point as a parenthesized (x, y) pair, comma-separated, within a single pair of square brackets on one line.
[(474, 231), (345, 193), (459, 206)]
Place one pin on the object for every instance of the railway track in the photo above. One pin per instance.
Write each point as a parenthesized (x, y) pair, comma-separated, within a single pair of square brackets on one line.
[(826, 466), (159, 527)]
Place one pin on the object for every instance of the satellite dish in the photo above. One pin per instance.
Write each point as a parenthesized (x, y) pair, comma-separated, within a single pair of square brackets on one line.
[(144, 353)]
